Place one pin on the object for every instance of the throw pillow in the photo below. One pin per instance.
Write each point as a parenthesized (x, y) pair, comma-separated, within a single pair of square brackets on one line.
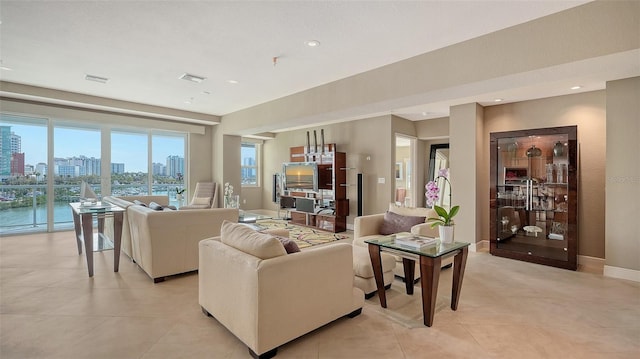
[(155, 206), (395, 223), (201, 201), (289, 244), (140, 203), (245, 239)]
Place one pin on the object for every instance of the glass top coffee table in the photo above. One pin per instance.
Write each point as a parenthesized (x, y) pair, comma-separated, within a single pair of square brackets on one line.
[(248, 217), (430, 259)]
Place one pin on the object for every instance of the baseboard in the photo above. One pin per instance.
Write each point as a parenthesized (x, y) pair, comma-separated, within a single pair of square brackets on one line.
[(481, 246), (621, 273), (591, 264)]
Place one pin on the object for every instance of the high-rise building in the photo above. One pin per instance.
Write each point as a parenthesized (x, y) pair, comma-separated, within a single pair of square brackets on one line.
[(158, 169), (5, 152), (16, 143), (17, 164), (117, 168), (175, 166)]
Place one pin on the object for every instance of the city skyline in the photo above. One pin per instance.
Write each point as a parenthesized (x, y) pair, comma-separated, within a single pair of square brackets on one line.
[(80, 142)]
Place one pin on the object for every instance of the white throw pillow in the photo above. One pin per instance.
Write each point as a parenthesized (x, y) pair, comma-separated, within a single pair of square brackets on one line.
[(201, 200), (245, 239)]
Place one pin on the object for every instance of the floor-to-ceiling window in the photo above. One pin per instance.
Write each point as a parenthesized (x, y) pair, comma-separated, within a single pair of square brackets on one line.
[(76, 158), (23, 173), (129, 163), (169, 165), (44, 161)]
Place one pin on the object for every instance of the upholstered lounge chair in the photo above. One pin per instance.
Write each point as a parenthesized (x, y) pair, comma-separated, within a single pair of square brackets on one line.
[(266, 297), (366, 227), (205, 196)]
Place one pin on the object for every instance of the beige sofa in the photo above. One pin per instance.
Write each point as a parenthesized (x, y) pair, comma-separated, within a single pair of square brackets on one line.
[(366, 227), (266, 297), (165, 243), (125, 202)]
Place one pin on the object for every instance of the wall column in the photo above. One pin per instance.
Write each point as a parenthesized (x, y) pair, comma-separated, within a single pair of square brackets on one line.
[(622, 208), (466, 149)]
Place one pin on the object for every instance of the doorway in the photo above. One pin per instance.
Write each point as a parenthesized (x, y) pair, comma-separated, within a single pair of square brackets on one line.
[(405, 193)]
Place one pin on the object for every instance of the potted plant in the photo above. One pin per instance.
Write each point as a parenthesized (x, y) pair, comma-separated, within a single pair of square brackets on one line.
[(445, 218), (179, 194)]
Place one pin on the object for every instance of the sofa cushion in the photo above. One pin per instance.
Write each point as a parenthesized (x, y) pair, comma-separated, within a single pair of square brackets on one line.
[(155, 206), (201, 201), (394, 223), (245, 239), (140, 203), (289, 245)]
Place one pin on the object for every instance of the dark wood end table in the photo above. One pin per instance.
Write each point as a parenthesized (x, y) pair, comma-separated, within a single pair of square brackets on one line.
[(430, 259)]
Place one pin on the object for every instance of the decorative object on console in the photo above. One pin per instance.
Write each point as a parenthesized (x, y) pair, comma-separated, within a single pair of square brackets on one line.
[(445, 218), (230, 200)]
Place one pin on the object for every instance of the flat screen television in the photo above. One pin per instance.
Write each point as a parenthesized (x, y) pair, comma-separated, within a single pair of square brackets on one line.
[(300, 176)]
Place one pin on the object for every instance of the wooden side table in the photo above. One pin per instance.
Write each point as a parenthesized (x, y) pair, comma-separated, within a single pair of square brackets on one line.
[(430, 260)]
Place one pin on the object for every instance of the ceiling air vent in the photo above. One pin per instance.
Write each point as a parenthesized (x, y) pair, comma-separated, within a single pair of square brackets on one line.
[(102, 80), (192, 78)]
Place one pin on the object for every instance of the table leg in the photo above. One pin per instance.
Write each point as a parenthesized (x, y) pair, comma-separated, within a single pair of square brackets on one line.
[(459, 264), (87, 229), (376, 263), (429, 278), (409, 274), (117, 239), (101, 217), (78, 228)]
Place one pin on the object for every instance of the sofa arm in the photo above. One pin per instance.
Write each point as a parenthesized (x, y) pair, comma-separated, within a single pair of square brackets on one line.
[(267, 303), (367, 225)]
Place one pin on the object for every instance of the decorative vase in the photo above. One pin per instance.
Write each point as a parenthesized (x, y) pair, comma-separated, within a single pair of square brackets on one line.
[(179, 198), (446, 234), (232, 201)]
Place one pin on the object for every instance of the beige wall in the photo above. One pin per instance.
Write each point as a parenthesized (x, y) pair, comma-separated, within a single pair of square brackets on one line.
[(587, 111), (368, 144), (622, 219)]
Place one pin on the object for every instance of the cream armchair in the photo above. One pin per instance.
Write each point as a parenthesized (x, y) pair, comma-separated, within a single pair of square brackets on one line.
[(204, 196), (366, 227), (266, 297)]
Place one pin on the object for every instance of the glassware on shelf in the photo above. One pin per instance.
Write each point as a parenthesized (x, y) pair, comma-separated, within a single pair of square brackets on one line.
[(505, 222)]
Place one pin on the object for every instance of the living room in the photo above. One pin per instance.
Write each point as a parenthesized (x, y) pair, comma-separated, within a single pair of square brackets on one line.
[(607, 129)]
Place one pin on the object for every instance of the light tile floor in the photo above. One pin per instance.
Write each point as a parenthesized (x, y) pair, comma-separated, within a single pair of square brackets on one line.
[(50, 308)]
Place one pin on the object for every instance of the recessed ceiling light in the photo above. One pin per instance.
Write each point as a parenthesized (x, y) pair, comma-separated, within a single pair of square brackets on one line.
[(192, 78), (206, 92), (189, 101), (312, 43), (6, 68), (100, 79), (576, 87), (232, 81), (498, 100)]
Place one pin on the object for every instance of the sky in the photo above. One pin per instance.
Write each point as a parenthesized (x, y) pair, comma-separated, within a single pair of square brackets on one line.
[(127, 148)]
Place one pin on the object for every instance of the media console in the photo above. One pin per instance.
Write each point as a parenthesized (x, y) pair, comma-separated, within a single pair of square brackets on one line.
[(327, 207)]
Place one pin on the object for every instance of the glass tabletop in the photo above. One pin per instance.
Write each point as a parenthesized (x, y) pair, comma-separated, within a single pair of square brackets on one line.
[(98, 207), (248, 217), (437, 250)]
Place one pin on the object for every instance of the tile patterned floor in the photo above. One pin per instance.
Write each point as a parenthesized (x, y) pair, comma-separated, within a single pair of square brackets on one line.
[(50, 308)]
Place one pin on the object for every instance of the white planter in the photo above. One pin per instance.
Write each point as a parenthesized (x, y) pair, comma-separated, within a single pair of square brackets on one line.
[(446, 234)]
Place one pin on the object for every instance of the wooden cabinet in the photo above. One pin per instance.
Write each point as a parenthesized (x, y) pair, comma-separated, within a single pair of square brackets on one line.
[(330, 206), (533, 196)]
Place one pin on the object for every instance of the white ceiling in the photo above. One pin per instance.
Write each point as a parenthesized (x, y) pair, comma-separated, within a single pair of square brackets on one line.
[(144, 46)]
